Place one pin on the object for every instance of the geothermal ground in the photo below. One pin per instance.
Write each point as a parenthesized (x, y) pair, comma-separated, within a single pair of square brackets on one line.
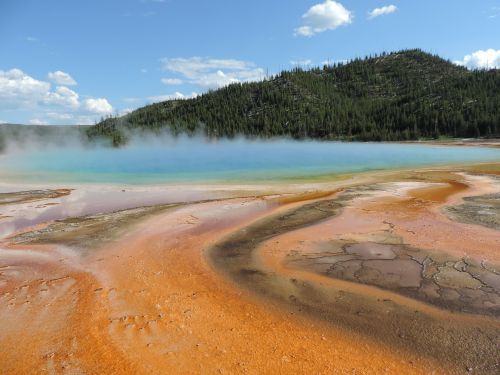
[(393, 272)]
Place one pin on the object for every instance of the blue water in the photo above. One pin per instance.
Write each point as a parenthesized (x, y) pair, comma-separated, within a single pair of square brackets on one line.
[(195, 160)]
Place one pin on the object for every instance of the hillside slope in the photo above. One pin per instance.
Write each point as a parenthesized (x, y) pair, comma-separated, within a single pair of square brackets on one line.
[(404, 95)]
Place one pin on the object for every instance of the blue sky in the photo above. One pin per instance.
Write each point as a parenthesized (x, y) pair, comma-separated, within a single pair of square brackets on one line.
[(75, 61)]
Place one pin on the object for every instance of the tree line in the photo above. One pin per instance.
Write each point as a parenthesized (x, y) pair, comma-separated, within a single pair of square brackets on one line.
[(405, 95)]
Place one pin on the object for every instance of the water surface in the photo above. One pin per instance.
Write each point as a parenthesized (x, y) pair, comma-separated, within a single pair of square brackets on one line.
[(196, 160)]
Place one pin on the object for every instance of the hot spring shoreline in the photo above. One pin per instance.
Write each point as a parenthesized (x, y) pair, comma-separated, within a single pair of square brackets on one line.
[(261, 278)]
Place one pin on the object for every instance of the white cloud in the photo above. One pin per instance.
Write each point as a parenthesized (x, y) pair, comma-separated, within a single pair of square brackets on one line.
[(99, 106), (213, 73), (37, 121), (125, 111), (488, 59), (31, 39), (19, 91), (3, 122), (61, 78), (217, 79), (175, 96), (323, 17), (64, 97), (333, 62), (172, 81), (305, 62), (377, 12)]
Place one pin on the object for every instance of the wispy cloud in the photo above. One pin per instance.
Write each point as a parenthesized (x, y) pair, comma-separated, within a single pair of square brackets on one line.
[(125, 111), (37, 121), (333, 62), (155, 99), (59, 116), (383, 11), (61, 78), (305, 62), (323, 17), (175, 96), (495, 12), (213, 73), (172, 81)]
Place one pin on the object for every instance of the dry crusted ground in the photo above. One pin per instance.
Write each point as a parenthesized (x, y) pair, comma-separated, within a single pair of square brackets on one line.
[(391, 273)]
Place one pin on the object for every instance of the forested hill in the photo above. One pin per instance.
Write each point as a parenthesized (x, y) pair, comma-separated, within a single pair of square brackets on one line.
[(398, 96)]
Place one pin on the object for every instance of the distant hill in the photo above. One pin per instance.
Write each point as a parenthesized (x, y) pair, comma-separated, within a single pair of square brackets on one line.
[(398, 96)]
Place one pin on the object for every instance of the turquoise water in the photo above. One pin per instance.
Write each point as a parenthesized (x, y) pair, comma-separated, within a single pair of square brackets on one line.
[(195, 160)]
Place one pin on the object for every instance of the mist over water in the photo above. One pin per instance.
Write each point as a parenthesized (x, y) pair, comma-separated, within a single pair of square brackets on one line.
[(166, 159)]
